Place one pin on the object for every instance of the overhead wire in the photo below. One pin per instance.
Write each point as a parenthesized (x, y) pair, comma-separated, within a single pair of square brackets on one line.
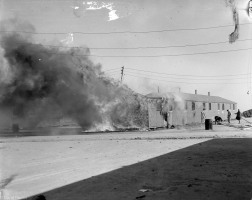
[(169, 55), (186, 54), (147, 47), (178, 82), (186, 78), (149, 56), (159, 72), (231, 75), (123, 32), (155, 72)]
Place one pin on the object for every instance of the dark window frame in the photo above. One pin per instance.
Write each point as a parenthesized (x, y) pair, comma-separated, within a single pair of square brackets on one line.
[(210, 106), (193, 105), (204, 105), (223, 106)]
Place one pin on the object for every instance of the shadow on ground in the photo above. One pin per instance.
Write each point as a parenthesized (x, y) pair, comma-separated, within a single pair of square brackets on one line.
[(218, 169)]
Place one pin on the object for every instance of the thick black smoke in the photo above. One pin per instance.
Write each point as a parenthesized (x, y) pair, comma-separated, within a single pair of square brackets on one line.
[(41, 82)]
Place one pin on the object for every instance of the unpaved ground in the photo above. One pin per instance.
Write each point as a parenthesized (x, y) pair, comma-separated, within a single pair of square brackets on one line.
[(217, 169), (32, 165)]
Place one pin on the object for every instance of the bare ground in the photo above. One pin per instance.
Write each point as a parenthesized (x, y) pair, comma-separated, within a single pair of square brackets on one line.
[(168, 164)]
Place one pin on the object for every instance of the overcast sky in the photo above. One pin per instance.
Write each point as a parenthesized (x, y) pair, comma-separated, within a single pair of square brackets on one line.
[(67, 16)]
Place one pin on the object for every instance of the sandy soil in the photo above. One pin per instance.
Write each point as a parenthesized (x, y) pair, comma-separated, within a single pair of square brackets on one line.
[(77, 166)]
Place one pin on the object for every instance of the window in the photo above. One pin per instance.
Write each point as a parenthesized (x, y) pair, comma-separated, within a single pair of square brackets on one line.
[(218, 106), (233, 106), (210, 106), (204, 105), (193, 105), (223, 107), (158, 105)]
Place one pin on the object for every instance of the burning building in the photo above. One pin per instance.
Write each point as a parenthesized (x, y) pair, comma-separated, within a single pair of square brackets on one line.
[(42, 83), (184, 108)]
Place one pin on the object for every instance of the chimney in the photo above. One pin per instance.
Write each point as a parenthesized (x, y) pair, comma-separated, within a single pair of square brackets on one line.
[(195, 91), (208, 93)]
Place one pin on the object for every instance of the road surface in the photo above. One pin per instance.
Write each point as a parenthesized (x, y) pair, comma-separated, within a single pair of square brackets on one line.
[(74, 166)]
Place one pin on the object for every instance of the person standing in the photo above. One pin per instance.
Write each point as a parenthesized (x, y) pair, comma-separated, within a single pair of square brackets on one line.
[(166, 120), (228, 116), (203, 115), (238, 116)]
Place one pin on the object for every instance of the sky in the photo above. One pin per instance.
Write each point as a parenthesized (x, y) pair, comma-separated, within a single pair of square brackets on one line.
[(164, 45)]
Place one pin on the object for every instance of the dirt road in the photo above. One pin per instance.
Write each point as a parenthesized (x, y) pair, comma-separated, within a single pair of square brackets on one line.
[(174, 164)]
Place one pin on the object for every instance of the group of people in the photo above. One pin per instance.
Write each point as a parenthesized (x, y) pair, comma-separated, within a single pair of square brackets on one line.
[(238, 116)]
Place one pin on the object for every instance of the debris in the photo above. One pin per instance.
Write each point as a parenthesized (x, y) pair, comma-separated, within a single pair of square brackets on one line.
[(7, 181), (235, 34), (140, 197), (247, 128), (172, 127), (144, 190), (247, 113)]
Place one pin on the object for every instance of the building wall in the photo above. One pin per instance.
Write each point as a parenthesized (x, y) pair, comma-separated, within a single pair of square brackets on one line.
[(189, 116), (184, 114), (154, 115)]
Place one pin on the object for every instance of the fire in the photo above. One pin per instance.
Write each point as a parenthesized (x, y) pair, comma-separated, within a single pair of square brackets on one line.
[(47, 82)]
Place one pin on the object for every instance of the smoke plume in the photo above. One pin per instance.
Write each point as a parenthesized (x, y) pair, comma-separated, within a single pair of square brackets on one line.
[(39, 82)]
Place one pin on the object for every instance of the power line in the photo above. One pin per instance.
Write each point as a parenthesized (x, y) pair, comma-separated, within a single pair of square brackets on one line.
[(122, 32), (193, 78), (151, 56), (176, 81), (148, 56), (185, 75), (147, 47), (170, 46), (170, 55)]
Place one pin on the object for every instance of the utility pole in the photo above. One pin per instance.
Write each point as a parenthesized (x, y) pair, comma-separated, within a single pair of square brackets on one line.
[(122, 73)]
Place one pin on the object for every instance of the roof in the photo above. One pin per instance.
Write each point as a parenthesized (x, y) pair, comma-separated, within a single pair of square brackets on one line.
[(190, 97)]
